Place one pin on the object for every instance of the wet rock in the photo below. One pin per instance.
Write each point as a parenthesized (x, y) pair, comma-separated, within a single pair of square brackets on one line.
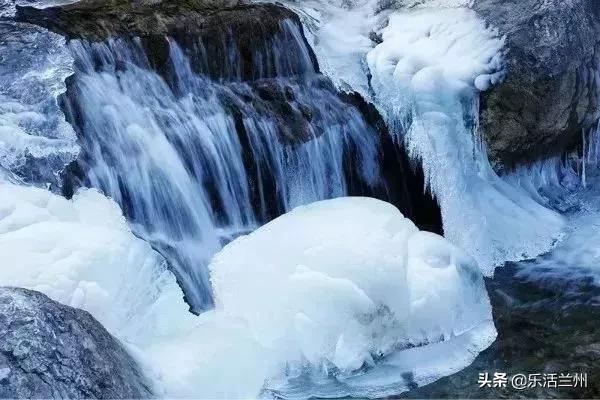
[(206, 30), (547, 330), (49, 350), (551, 91)]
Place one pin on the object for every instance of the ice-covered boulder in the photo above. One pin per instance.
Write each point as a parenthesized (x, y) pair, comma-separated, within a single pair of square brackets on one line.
[(340, 290), (49, 350), (81, 253), (344, 296)]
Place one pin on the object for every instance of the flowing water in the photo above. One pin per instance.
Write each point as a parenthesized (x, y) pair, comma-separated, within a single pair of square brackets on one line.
[(197, 152), (194, 160)]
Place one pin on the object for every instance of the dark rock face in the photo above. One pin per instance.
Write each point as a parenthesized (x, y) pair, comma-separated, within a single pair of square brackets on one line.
[(551, 91), (49, 350), (206, 30)]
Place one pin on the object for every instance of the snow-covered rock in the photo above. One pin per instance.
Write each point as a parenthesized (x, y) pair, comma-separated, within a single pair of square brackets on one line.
[(336, 289), (348, 288)]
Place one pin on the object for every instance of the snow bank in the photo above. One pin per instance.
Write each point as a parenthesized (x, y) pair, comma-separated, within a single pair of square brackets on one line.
[(338, 288), (81, 253), (332, 289), (427, 75)]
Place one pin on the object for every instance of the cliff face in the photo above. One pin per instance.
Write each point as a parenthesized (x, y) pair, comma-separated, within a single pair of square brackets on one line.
[(49, 350), (551, 90), (99, 19)]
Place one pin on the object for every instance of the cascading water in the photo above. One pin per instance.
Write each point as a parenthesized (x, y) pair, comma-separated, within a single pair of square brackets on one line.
[(200, 159), (203, 138)]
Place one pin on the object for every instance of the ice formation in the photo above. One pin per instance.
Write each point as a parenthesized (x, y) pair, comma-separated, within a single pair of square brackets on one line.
[(35, 140), (424, 63), (318, 287), (572, 267), (340, 289), (427, 74)]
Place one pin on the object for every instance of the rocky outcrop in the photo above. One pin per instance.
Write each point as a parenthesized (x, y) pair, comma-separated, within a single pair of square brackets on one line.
[(551, 90), (207, 30), (49, 350)]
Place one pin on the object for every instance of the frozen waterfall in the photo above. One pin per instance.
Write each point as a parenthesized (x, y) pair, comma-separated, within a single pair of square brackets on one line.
[(424, 64)]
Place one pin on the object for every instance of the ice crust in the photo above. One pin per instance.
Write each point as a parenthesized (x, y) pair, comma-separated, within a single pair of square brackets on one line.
[(334, 290), (36, 142), (424, 65)]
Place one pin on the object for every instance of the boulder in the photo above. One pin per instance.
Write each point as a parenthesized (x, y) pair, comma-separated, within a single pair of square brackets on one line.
[(49, 350), (551, 90)]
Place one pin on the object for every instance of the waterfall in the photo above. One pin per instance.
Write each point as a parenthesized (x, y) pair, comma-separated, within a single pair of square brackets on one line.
[(197, 153)]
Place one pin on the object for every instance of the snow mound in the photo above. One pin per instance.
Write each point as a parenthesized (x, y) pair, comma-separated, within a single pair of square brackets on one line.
[(344, 290), (427, 75), (333, 289), (81, 253)]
